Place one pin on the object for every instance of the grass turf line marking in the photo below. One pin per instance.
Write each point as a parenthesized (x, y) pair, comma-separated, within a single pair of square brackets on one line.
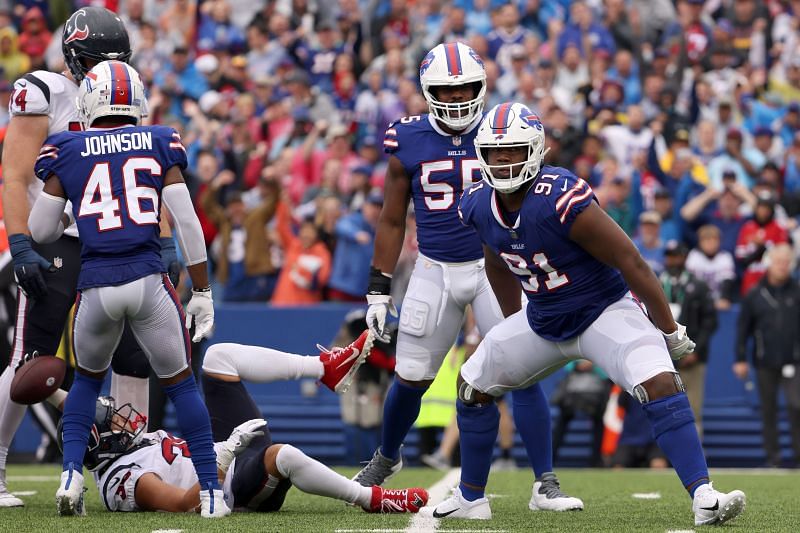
[(167, 531), (402, 530), (42, 479), (680, 531), (436, 494), (25, 493), (646, 495)]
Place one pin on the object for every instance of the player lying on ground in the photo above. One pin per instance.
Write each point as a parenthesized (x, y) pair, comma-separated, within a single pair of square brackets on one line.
[(116, 174), (577, 268), (138, 471)]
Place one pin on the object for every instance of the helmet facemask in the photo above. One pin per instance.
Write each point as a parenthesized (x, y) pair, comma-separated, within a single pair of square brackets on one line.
[(509, 177), (456, 115)]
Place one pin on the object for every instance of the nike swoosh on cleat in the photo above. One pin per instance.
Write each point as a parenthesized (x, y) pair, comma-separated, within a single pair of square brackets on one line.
[(356, 353), (442, 515), (714, 508)]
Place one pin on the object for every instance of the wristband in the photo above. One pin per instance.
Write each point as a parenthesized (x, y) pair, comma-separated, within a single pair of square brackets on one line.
[(379, 283)]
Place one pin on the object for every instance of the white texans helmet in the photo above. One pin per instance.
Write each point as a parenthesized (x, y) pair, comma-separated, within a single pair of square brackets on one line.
[(112, 88), (453, 64), (509, 125)]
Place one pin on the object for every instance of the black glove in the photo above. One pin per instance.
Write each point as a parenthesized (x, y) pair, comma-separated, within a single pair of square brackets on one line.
[(169, 260), (28, 266)]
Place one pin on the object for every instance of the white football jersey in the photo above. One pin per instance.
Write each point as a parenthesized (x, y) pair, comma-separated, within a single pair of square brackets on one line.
[(47, 93), (167, 456)]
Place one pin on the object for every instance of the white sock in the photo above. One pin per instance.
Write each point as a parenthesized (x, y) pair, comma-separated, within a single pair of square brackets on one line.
[(135, 391), (11, 414), (313, 477), (260, 365), (57, 399)]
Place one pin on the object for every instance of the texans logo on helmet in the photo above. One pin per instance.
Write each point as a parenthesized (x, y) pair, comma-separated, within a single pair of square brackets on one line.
[(78, 34), (426, 63)]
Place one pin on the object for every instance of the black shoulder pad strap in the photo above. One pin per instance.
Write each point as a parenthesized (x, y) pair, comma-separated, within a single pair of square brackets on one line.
[(40, 84)]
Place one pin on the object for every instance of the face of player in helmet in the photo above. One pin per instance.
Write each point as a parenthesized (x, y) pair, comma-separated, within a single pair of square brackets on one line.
[(512, 159), (456, 94)]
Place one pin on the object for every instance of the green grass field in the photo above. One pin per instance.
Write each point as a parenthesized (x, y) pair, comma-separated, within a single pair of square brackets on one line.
[(773, 504)]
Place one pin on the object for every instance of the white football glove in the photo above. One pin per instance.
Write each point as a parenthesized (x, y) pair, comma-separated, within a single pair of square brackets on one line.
[(241, 437), (678, 343), (201, 308), (379, 306)]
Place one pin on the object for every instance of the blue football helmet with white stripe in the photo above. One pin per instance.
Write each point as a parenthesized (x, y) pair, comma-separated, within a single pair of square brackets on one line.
[(452, 64), (508, 125)]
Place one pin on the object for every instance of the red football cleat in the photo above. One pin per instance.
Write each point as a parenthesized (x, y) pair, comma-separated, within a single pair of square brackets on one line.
[(341, 363), (397, 500)]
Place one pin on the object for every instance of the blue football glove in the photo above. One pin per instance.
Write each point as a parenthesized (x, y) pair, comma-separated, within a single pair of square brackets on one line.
[(169, 260), (28, 266)]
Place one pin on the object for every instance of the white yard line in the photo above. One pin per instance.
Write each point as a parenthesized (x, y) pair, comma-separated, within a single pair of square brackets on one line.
[(425, 522), (25, 493), (167, 531), (646, 495), (33, 478)]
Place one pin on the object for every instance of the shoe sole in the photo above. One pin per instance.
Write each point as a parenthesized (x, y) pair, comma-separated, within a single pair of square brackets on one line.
[(729, 511), (65, 507), (533, 507), (345, 382)]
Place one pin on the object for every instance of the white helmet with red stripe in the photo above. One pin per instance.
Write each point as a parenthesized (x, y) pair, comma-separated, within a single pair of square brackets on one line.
[(510, 125), (453, 64), (112, 89)]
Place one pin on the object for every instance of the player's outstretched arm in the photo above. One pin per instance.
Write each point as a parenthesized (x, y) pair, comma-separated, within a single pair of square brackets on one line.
[(599, 235), (504, 283), (24, 138)]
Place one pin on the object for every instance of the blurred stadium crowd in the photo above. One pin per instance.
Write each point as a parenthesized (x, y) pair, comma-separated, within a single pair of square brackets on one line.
[(683, 116)]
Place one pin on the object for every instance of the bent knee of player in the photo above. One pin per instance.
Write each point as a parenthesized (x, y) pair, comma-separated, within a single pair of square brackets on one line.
[(218, 362), (662, 385), (176, 378), (469, 395), (271, 460)]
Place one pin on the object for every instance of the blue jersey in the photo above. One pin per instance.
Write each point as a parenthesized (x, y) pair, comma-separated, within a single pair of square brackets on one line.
[(567, 288), (440, 167), (114, 177)]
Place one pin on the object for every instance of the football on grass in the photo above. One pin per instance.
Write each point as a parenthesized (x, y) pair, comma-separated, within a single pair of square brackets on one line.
[(37, 379)]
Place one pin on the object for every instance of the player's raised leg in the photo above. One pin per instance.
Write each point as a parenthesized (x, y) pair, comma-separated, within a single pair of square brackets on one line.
[(334, 367), (636, 358)]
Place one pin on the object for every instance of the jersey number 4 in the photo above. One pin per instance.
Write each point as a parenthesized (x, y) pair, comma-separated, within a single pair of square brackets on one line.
[(519, 266), (98, 195), (440, 195)]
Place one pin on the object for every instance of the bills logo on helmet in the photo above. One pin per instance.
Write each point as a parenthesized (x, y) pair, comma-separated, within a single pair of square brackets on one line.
[(474, 55), (426, 63), (78, 34), (531, 118)]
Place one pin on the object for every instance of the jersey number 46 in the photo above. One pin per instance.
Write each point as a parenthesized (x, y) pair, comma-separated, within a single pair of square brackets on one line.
[(98, 195)]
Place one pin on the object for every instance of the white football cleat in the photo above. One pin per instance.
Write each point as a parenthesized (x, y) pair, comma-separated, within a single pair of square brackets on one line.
[(212, 504), (547, 496), (713, 507), (6, 498), (69, 496), (457, 507)]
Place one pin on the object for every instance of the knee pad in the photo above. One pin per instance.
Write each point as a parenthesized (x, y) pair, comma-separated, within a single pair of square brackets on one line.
[(669, 413), (640, 393)]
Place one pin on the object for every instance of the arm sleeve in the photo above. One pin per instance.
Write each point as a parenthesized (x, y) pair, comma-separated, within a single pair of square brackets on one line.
[(31, 96), (45, 221), (391, 141), (578, 196), (187, 225)]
